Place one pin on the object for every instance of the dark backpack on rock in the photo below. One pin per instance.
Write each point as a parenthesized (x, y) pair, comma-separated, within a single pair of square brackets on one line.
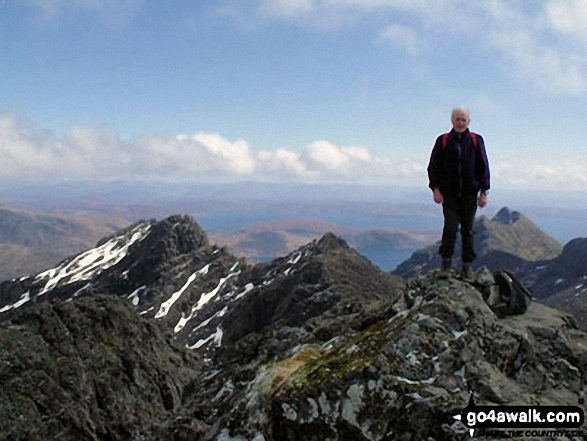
[(515, 296)]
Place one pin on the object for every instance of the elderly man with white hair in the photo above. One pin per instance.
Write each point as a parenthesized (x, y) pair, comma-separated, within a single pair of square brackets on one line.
[(458, 175)]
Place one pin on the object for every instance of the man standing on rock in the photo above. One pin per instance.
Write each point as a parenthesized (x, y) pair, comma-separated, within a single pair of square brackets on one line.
[(459, 179)]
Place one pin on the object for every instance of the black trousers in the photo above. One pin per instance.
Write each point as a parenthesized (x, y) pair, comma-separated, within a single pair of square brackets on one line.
[(458, 211)]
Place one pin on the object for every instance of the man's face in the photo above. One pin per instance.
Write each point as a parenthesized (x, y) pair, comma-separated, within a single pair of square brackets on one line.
[(460, 122)]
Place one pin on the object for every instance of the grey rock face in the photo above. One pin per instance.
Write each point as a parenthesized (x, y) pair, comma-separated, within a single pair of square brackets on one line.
[(91, 370)]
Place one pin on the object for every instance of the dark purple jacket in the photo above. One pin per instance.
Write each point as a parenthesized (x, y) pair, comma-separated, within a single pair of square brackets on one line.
[(459, 167)]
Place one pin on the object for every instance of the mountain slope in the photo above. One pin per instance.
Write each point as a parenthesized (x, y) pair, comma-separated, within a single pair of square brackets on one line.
[(171, 272), (31, 242), (513, 233), (562, 282), (158, 334), (508, 240)]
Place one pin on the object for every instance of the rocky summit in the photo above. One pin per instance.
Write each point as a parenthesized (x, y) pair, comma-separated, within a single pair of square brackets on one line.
[(402, 373), (157, 334)]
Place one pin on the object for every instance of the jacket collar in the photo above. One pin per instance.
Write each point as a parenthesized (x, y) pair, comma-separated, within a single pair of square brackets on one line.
[(453, 133)]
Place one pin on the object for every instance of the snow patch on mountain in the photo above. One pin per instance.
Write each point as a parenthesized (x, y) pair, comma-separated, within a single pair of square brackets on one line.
[(92, 262), (166, 306)]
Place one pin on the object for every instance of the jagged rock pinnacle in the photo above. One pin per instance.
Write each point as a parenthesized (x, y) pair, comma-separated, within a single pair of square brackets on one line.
[(506, 216), (330, 242)]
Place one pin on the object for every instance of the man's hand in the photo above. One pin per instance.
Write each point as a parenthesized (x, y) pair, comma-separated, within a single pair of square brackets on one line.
[(482, 200), (438, 196)]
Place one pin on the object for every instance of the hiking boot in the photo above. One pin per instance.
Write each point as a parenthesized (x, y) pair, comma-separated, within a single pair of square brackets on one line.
[(445, 268), (467, 272)]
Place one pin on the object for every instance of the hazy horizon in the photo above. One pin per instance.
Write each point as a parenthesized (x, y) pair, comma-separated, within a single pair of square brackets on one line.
[(235, 206)]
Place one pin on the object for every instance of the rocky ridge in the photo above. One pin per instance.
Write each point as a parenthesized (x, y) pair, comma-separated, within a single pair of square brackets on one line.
[(319, 344), (170, 272), (507, 240), (402, 373)]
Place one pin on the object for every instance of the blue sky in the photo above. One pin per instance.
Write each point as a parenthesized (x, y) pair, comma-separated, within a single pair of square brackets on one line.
[(348, 91)]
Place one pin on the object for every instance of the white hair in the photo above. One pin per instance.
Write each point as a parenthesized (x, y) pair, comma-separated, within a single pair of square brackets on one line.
[(460, 110)]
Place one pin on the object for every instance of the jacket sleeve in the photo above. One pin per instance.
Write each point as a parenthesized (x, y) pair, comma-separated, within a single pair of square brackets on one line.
[(435, 164), (483, 166)]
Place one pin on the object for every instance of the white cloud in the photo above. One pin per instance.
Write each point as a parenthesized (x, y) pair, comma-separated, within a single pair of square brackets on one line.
[(540, 43), (565, 176), (324, 156), (192, 156), (532, 42), (547, 66), (286, 8), (282, 163), (568, 17), (30, 153), (403, 37), (485, 105), (236, 155), (314, 5), (27, 152)]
